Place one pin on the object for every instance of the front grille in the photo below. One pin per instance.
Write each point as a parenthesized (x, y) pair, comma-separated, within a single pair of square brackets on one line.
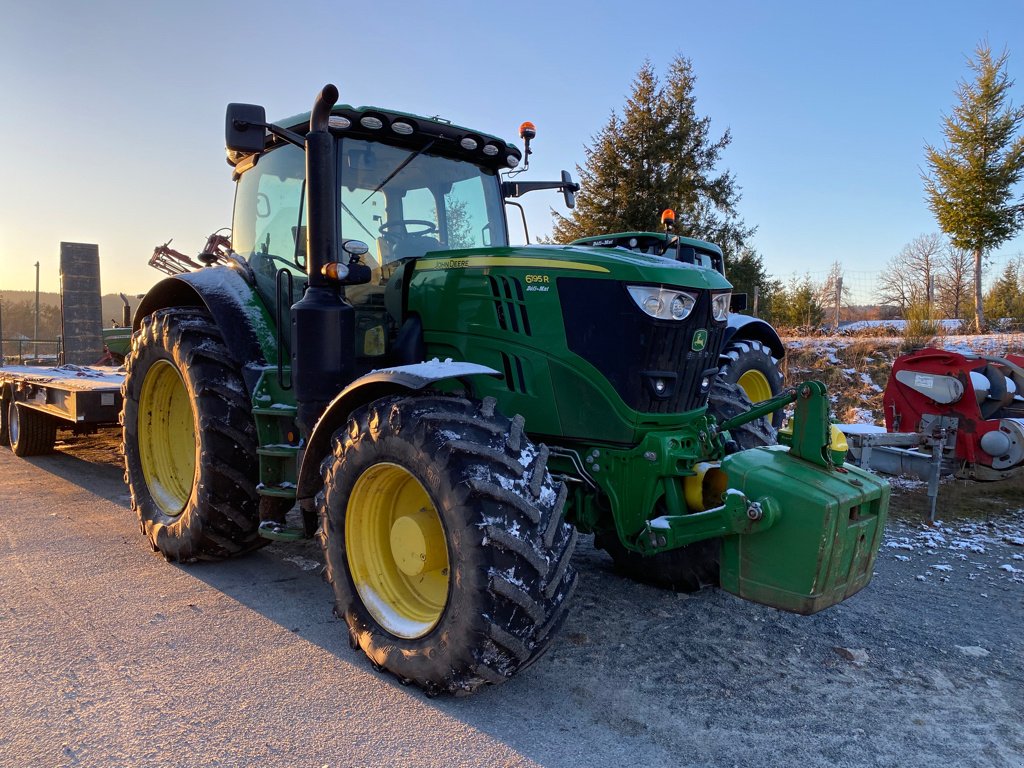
[(604, 326)]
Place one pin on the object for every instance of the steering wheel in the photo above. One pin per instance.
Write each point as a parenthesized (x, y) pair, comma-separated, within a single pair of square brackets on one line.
[(428, 227)]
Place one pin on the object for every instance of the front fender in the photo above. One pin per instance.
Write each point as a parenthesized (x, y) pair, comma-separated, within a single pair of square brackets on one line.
[(746, 328), (373, 386)]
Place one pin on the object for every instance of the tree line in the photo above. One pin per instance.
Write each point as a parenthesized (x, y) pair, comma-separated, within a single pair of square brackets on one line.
[(659, 152)]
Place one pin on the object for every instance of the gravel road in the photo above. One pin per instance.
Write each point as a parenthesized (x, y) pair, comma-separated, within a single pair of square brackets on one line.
[(111, 657)]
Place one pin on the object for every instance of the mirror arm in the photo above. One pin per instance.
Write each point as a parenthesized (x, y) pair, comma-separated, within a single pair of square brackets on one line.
[(520, 188), (290, 136)]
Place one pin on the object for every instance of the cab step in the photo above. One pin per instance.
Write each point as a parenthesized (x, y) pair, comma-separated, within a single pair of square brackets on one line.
[(276, 532)]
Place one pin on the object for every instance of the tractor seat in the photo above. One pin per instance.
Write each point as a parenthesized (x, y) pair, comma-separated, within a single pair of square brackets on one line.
[(414, 245)]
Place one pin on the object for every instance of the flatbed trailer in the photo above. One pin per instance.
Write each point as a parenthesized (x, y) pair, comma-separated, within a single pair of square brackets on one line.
[(36, 401)]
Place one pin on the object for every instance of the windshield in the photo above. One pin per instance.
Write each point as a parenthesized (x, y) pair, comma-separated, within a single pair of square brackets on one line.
[(404, 203)]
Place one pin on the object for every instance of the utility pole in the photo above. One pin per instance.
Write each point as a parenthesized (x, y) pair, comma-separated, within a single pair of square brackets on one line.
[(757, 292), (35, 338)]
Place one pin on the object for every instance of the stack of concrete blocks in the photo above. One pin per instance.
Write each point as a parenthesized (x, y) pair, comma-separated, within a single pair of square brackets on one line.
[(81, 308)]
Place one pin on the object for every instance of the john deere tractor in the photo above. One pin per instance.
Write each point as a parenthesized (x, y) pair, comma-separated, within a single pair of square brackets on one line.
[(751, 348), (447, 411)]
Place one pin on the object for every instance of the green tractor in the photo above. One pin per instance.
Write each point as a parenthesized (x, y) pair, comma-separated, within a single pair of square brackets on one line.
[(447, 411), (751, 348)]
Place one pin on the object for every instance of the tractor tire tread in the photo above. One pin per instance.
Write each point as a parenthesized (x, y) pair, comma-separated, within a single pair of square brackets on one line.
[(515, 538), (221, 518)]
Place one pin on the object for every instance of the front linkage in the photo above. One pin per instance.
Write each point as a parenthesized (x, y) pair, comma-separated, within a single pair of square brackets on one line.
[(799, 529)]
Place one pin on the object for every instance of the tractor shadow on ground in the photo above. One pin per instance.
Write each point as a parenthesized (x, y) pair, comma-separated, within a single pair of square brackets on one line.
[(92, 462)]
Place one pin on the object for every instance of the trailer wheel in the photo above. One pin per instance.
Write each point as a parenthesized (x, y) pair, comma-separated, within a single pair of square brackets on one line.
[(31, 432), (444, 541), (749, 364), (693, 566), (189, 439), (5, 432)]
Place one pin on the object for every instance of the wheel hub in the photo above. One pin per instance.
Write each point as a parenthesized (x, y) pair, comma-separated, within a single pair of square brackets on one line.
[(755, 386), (417, 543), (167, 438), (397, 550)]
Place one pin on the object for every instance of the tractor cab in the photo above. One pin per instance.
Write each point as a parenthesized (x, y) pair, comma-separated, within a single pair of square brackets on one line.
[(406, 187), (401, 195)]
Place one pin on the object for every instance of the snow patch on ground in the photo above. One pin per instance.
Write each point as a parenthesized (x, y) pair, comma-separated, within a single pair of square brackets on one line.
[(957, 547), (303, 562)]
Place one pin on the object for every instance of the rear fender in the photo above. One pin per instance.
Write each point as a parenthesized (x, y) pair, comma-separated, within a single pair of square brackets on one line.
[(373, 386), (236, 308)]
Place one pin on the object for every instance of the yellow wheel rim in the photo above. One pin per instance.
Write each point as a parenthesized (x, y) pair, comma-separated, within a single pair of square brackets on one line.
[(397, 551), (167, 438), (755, 386)]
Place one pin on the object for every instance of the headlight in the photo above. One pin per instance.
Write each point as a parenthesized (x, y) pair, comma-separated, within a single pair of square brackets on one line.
[(720, 305), (662, 303)]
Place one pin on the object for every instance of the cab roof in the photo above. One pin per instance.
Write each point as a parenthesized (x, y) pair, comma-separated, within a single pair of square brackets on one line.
[(415, 132)]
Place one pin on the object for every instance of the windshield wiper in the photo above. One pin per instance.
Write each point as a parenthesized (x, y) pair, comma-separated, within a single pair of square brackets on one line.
[(401, 165), (355, 218)]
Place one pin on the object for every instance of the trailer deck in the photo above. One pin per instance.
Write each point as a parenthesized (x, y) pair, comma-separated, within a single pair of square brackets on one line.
[(80, 398)]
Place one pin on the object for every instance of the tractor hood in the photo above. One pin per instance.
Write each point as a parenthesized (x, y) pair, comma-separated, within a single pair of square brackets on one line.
[(598, 263)]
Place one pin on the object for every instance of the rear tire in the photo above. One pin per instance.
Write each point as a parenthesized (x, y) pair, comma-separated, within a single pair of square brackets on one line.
[(189, 439), (749, 365), (497, 576), (30, 432)]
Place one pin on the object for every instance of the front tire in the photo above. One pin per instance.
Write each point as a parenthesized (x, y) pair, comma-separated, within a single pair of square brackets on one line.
[(696, 565), (749, 365), (727, 400), (189, 439), (444, 541), (685, 569)]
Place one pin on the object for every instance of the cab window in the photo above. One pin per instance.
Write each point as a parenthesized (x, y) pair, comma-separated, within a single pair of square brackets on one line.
[(269, 224)]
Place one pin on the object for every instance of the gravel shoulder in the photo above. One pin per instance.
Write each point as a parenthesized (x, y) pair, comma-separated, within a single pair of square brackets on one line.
[(109, 656)]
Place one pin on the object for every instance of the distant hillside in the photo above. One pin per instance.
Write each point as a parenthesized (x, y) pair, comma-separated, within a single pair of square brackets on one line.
[(19, 312)]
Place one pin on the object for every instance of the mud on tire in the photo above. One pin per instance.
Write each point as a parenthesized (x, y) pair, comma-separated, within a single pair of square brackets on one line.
[(510, 576), (219, 518)]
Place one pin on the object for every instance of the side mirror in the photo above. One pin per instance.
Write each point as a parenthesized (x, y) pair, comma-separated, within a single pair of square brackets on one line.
[(354, 247), (738, 302), (569, 189), (245, 128)]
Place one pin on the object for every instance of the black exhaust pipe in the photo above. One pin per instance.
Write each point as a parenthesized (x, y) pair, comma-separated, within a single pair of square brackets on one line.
[(323, 324)]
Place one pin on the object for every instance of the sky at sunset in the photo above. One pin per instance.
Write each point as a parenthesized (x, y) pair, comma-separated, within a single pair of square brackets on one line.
[(113, 112)]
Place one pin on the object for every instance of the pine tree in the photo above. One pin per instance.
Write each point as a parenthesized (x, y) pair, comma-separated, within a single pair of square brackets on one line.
[(971, 180), (1004, 300), (799, 305), (746, 272), (659, 154)]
